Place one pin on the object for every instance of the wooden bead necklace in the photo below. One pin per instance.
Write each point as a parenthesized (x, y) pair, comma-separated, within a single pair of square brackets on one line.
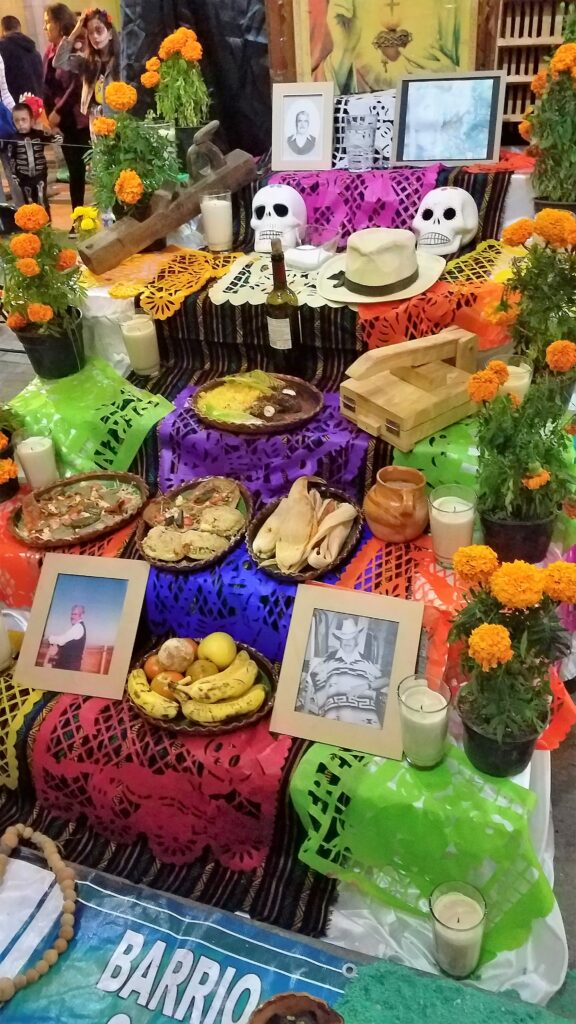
[(66, 880)]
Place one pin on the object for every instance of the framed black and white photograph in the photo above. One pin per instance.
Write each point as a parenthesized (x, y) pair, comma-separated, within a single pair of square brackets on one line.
[(83, 625), (345, 656), (452, 119), (302, 119)]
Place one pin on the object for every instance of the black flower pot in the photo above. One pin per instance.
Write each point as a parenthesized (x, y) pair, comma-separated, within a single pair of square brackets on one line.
[(55, 355), (513, 538), (547, 204), (9, 489), (492, 757)]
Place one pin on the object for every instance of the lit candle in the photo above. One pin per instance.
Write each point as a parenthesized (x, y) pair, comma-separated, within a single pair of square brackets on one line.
[(458, 917), (451, 520), (424, 721), (36, 456), (141, 341), (519, 379), (217, 220)]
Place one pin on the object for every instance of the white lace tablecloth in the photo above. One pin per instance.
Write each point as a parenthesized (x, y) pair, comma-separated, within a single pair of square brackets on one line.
[(250, 281)]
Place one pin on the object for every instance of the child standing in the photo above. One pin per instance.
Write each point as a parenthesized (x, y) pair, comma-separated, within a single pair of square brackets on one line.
[(26, 156)]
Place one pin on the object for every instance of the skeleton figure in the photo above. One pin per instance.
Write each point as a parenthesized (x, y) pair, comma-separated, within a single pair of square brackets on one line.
[(278, 211), (447, 219)]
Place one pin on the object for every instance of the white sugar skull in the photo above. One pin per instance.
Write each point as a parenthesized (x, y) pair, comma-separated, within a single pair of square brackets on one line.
[(447, 219), (278, 211)]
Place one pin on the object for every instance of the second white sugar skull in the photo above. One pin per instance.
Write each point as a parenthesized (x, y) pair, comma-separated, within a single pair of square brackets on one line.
[(278, 211), (447, 219)]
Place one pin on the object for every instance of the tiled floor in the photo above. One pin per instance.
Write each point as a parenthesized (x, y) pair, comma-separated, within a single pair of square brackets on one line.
[(15, 369)]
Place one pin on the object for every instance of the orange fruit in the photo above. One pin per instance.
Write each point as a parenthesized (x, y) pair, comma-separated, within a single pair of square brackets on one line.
[(164, 683), (152, 666)]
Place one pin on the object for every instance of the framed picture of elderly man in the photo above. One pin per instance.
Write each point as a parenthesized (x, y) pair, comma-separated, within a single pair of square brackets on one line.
[(345, 656)]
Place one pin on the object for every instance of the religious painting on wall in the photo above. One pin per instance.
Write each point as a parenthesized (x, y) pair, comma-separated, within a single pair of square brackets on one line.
[(367, 45)]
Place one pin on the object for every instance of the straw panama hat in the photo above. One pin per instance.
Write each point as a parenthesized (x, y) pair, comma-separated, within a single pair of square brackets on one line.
[(379, 265), (348, 630)]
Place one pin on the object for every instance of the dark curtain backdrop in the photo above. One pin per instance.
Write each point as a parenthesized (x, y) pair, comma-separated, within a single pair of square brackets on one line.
[(235, 63)]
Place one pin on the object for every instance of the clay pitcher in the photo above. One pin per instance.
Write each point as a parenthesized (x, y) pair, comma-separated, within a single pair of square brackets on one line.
[(396, 507)]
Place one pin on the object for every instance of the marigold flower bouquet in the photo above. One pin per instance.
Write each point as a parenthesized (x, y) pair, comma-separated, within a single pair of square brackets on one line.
[(131, 158), (512, 635), (550, 126), (525, 456), (181, 93), (538, 296)]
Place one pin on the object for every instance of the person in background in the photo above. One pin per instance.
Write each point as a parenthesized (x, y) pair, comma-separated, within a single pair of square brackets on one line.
[(62, 99), (22, 62), (99, 64), (26, 156), (67, 649)]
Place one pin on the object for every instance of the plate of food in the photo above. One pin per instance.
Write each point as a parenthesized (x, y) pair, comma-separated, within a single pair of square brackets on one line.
[(81, 508), (256, 402), (194, 525), (309, 532), (211, 685)]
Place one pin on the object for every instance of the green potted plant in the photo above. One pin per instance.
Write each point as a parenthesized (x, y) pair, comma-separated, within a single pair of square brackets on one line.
[(9, 423), (130, 158), (538, 296), (181, 94), (42, 294), (550, 126), (524, 457), (511, 635)]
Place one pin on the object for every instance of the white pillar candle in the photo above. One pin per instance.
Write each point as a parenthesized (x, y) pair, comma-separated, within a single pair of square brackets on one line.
[(424, 721), (451, 521), (519, 378), (141, 341), (36, 456), (458, 920), (217, 221)]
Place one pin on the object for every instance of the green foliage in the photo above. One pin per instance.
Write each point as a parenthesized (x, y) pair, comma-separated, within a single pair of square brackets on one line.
[(182, 96), (546, 280), (61, 290), (514, 443), (9, 421), (554, 131), (508, 705), (140, 146)]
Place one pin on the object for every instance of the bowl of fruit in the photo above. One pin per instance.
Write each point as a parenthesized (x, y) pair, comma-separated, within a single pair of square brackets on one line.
[(196, 686)]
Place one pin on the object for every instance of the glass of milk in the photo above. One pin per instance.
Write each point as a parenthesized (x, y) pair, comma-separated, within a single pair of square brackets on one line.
[(217, 225)]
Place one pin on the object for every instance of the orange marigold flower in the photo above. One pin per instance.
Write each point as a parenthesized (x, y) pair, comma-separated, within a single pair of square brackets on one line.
[(515, 400), (67, 258), (564, 59), (28, 267), (539, 82), (569, 506), (475, 564), (560, 582), (495, 314), (192, 52), (553, 226), (31, 217), (3, 441), (168, 47), (571, 234), (103, 126), (153, 64), (8, 470), (483, 386), (129, 188), (490, 645), (525, 130), (38, 313), (570, 427), (25, 246), (16, 321), (561, 356), (536, 480), (518, 232), (517, 585), (499, 369), (150, 79), (120, 96)]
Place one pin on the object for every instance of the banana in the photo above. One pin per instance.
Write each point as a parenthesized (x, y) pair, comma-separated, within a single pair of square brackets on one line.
[(152, 703), (208, 714), (209, 692), (232, 672)]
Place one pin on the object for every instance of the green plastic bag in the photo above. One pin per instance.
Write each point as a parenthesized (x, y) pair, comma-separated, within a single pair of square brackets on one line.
[(397, 833), (96, 418)]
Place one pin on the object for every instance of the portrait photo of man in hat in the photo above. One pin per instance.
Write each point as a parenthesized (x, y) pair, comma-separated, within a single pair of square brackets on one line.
[(347, 668)]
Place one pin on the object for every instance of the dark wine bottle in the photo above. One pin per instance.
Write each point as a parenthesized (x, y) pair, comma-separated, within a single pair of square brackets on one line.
[(283, 318)]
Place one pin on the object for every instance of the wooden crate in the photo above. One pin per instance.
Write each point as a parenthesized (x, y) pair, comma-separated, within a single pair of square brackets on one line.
[(528, 30)]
